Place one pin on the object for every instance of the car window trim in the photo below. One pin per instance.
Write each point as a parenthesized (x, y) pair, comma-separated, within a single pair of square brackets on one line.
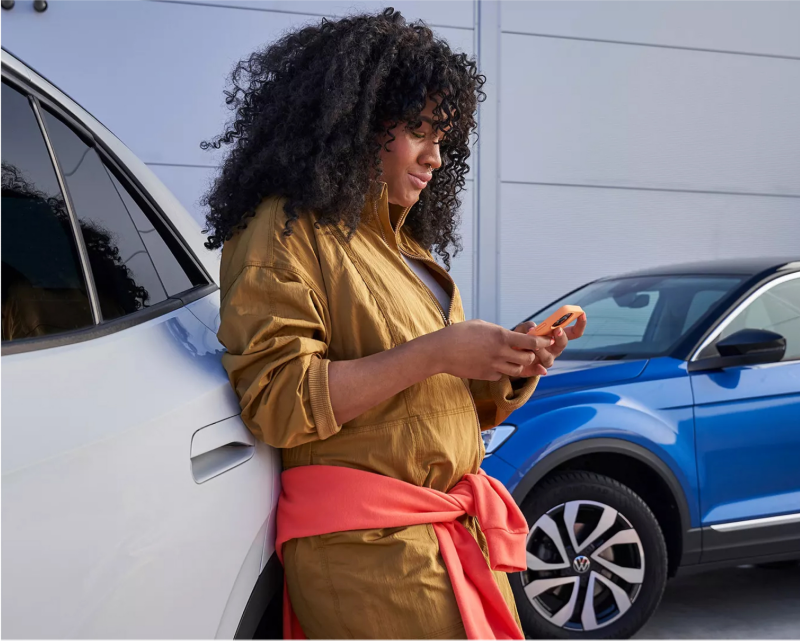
[(107, 328), (129, 180), (139, 195), (83, 254), (739, 308)]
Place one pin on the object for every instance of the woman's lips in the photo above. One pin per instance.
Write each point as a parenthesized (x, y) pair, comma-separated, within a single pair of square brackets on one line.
[(419, 181)]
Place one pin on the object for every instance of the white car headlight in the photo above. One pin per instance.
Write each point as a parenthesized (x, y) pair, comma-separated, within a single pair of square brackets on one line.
[(496, 436)]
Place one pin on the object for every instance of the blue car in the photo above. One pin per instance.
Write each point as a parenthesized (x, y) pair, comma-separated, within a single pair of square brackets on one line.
[(668, 436)]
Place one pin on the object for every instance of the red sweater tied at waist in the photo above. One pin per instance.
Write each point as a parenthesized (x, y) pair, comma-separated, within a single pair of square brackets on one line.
[(321, 499)]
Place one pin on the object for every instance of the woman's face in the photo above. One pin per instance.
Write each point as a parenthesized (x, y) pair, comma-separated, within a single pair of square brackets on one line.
[(409, 160)]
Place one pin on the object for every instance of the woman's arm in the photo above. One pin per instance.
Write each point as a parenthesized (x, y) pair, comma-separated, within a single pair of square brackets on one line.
[(473, 349), (275, 326), (358, 385)]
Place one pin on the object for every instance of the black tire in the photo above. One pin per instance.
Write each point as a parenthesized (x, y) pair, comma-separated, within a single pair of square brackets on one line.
[(648, 554)]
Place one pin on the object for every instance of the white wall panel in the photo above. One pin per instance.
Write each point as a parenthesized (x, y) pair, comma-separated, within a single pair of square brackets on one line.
[(572, 111), (580, 112), (554, 239), (162, 96), (761, 26), (446, 13)]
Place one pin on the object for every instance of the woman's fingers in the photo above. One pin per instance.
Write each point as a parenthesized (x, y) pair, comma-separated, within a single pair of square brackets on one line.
[(528, 341), (576, 330), (524, 328), (561, 341), (519, 357), (546, 358), (532, 355), (510, 369)]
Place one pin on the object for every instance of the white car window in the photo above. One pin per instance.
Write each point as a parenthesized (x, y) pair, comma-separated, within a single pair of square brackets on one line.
[(43, 288), (173, 276), (124, 275)]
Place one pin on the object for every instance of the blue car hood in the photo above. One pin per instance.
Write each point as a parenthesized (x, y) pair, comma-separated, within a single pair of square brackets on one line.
[(567, 375)]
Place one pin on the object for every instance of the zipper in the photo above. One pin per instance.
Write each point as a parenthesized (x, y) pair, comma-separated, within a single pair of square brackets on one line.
[(446, 316)]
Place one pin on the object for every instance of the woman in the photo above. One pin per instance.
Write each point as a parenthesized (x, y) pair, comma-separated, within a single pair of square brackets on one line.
[(346, 341)]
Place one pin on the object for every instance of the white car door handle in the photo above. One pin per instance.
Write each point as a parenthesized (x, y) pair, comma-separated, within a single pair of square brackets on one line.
[(220, 447)]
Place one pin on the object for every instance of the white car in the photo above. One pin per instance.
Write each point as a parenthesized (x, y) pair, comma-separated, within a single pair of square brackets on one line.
[(135, 503)]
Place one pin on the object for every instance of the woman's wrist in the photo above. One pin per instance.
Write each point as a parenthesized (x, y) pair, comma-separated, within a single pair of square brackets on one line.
[(429, 354)]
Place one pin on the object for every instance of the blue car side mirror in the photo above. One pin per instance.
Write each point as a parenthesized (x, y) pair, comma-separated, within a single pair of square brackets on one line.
[(745, 347)]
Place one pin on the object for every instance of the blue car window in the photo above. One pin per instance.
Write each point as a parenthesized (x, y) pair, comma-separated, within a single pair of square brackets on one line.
[(776, 310), (701, 303), (641, 317), (613, 326)]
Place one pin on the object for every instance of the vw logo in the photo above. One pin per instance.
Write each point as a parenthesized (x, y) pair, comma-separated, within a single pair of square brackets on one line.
[(580, 564)]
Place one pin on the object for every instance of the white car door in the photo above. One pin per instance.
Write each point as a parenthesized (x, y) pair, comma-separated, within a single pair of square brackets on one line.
[(134, 501)]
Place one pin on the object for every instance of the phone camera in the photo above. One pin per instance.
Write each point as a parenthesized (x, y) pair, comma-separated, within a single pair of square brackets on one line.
[(561, 320)]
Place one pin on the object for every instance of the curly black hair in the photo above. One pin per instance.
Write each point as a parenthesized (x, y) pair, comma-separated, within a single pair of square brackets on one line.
[(311, 109)]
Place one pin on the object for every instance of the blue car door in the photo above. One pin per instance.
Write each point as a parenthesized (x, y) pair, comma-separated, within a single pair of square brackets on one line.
[(748, 435)]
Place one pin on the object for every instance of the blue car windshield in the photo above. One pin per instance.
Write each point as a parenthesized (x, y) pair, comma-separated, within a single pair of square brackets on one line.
[(640, 317)]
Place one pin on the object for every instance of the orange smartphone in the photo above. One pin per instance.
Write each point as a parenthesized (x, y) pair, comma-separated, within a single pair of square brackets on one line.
[(561, 318)]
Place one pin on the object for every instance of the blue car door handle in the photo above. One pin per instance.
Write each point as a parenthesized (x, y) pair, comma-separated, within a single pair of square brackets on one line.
[(220, 447)]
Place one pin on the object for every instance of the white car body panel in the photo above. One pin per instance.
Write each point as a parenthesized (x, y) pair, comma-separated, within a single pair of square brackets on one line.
[(107, 532)]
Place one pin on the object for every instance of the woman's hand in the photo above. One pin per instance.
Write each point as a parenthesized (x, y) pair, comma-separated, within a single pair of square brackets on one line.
[(484, 351), (546, 357)]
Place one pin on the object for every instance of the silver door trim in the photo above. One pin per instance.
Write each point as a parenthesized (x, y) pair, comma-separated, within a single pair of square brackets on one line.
[(83, 254), (786, 519)]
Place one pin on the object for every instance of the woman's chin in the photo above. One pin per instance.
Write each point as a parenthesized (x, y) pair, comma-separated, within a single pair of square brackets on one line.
[(410, 200), (405, 200)]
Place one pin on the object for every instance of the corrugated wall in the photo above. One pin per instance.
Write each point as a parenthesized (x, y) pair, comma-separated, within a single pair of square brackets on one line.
[(638, 134), (616, 135)]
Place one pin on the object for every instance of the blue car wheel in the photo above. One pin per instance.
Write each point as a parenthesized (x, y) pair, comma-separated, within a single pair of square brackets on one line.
[(597, 560)]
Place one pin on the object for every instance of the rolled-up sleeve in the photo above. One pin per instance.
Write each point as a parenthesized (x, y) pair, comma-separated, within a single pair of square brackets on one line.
[(496, 400), (275, 326)]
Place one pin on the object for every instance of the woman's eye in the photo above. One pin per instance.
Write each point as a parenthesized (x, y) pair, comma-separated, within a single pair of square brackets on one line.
[(418, 134)]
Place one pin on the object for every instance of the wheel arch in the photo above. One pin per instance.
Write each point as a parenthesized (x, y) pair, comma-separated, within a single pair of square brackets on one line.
[(684, 542)]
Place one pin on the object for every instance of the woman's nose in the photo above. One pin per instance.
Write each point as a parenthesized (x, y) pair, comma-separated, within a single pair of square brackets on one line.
[(432, 157)]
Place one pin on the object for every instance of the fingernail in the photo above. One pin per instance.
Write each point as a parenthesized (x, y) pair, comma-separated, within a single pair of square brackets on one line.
[(559, 332)]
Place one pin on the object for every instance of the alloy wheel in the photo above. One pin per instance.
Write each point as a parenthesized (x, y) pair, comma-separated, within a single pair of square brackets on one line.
[(585, 565)]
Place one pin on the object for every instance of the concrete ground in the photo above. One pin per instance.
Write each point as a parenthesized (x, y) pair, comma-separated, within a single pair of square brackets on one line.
[(734, 603)]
